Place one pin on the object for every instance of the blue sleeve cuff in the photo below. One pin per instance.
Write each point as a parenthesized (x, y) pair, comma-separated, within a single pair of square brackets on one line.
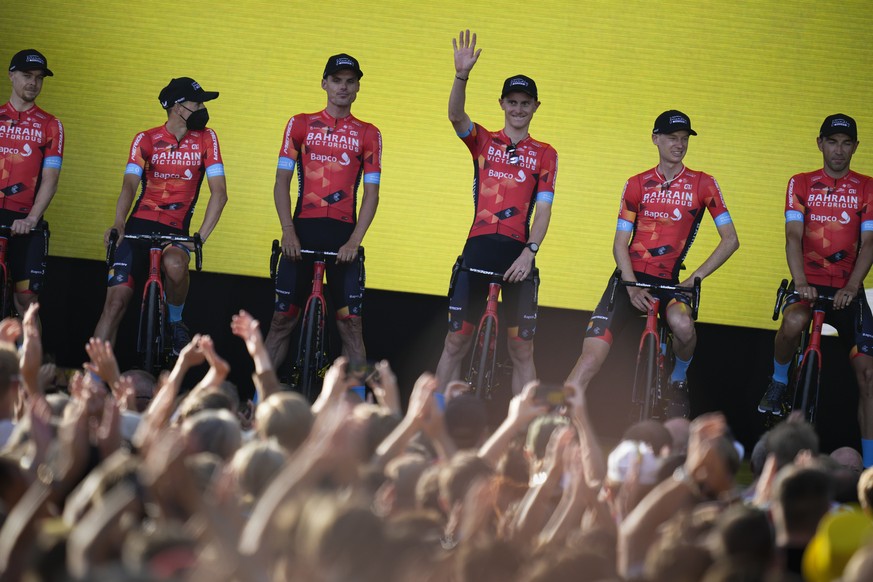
[(793, 216), (466, 133), (867, 226), (286, 164), (52, 162), (372, 178), (133, 169), (624, 225), (215, 170), (548, 197), (723, 218)]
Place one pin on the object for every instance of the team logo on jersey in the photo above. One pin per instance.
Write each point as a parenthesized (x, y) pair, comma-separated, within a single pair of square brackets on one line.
[(344, 159), (26, 151), (521, 177), (677, 214), (844, 218)]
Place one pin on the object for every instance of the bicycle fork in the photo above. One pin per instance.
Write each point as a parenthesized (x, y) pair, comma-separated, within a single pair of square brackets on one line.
[(814, 347), (652, 359), (154, 277)]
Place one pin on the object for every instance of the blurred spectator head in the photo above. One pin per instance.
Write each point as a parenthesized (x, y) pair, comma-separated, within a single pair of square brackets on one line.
[(255, 464), (466, 421), (788, 438), (213, 431), (286, 417), (651, 432)]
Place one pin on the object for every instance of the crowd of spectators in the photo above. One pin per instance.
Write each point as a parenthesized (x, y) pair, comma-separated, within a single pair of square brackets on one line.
[(124, 477)]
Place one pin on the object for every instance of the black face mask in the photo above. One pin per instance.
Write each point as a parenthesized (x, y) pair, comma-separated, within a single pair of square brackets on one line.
[(197, 120)]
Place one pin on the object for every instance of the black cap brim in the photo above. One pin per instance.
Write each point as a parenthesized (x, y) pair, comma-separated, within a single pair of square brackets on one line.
[(206, 96), (46, 71)]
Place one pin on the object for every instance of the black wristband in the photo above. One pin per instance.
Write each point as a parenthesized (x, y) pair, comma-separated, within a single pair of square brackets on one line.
[(461, 78)]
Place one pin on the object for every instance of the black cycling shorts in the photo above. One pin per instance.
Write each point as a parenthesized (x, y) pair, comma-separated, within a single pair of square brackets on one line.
[(26, 255), (606, 324), (845, 321), (132, 256)]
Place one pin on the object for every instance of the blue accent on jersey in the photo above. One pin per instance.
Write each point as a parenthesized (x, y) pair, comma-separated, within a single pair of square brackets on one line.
[(466, 133), (545, 197), (372, 178), (793, 216), (867, 225), (215, 170), (625, 225), (133, 169), (286, 164), (723, 218), (52, 162)]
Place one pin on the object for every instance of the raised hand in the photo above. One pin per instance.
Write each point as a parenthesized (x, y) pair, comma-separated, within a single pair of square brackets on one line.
[(10, 330), (247, 328), (384, 386), (466, 53), (103, 362), (31, 350)]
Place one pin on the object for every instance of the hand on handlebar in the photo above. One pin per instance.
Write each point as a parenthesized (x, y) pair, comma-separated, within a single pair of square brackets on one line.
[(290, 245), (119, 228), (520, 269), (844, 297), (806, 292), (23, 225), (347, 253), (640, 298)]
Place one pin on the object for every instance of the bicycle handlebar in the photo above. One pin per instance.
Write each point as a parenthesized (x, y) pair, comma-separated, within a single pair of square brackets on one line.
[(157, 239), (492, 274), (6, 230), (694, 291), (783, 293), (276, 253)]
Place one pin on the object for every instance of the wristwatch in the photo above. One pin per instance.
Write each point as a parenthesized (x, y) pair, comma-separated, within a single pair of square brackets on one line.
[(534, 247)]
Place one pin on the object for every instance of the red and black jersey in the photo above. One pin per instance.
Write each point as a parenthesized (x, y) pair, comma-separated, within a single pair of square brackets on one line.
[(834, 213), (333, 155), (664, 217), (29, 141), (509, 178), (172, 172)]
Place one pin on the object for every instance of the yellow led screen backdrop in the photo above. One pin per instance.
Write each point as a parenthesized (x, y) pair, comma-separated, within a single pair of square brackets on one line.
[(757, 78)]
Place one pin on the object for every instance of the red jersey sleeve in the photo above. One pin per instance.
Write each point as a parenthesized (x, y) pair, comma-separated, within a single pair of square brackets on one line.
[(474, 137), (372, 155), (139, 153), (54, 147), (548, 176), (212, 154), (631, 197), (713, 200), (292, 143)]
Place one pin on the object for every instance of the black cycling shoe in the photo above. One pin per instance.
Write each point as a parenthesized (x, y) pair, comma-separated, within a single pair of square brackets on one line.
[(677, 404), (181, 336), (773, 401)]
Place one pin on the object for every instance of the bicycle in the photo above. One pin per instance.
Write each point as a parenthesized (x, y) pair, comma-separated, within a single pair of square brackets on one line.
[(313, 347), (481, 375), (651, 376), (152, 331), (7, 293), (808, 358)]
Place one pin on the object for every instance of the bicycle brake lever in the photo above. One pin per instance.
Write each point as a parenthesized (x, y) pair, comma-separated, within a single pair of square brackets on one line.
[(780, 297), (110, 248), (274, 259), (198, 251), (616, 283)]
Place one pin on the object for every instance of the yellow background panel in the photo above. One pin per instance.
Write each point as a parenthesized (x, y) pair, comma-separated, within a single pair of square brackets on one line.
[(756, 78)]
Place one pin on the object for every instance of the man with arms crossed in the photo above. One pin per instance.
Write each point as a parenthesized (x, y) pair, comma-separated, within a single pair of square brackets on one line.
[(829, 247), (333, 152), (170, 161), (514, 175), (31, 152), (660, 213)]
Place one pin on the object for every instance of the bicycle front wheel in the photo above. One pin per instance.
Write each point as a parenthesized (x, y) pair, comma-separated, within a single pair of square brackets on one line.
[(646, 378), (311, 345), (483, 358), (806, 398), (152, 340)]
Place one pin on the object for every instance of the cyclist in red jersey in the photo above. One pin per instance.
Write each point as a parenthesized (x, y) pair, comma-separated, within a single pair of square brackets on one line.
[(170, 162), (333, 152), (514, 179), (829, 247), (31, 152), (660, 213)]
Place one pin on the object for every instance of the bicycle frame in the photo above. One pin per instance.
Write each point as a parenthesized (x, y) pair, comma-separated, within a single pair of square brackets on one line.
[(483, 360), (151, 334), (808, 375), (651, 369)]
